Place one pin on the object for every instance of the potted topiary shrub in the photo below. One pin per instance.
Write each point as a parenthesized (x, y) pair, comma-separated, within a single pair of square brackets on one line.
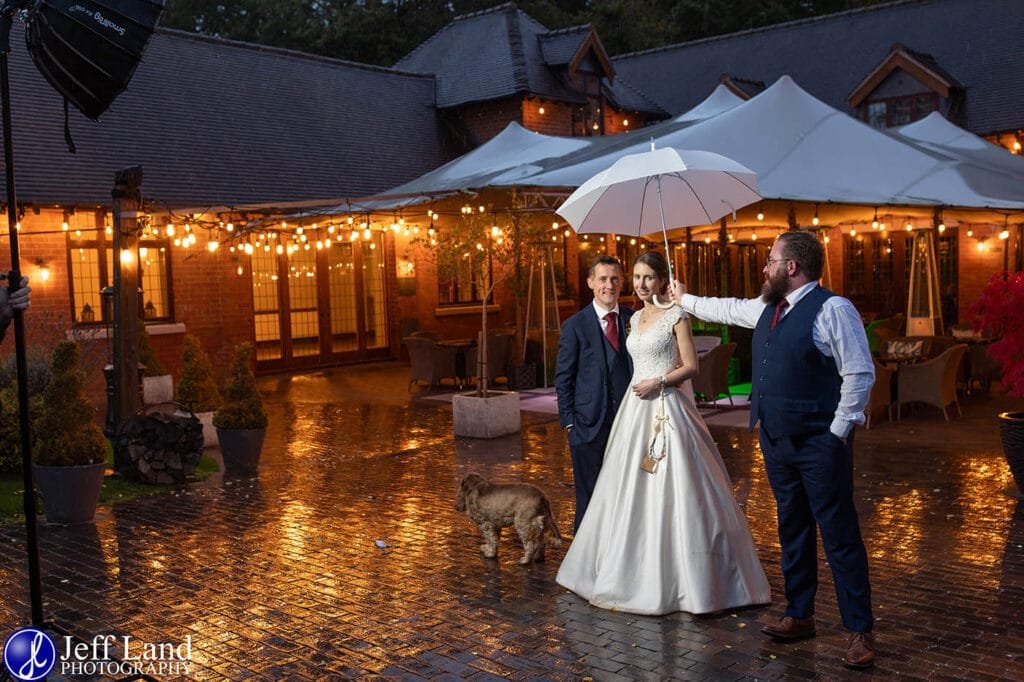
[(157, 384), (241, 422), (999, 313), (198, 390), (69, 456)]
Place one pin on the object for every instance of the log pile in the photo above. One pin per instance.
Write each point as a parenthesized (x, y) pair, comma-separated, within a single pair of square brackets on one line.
[(161, 448)]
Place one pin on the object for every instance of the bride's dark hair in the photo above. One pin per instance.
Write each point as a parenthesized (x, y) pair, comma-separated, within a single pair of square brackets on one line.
[(655, 261)]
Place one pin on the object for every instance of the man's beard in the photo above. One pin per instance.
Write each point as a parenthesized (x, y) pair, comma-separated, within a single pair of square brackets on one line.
[(775, 288)]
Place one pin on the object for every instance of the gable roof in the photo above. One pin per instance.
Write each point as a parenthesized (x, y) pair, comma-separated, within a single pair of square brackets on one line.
[(977, 40), (502, 52), (559, 47), (215, 122), (920, 65)]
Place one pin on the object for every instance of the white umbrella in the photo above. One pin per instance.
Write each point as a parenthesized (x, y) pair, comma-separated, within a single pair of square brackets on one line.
[(664, 188)]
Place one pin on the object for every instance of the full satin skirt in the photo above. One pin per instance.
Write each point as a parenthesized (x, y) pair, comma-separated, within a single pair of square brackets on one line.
[(674, 540)]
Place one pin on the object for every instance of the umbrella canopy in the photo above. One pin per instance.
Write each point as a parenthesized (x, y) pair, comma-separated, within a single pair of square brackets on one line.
[(663, 188)]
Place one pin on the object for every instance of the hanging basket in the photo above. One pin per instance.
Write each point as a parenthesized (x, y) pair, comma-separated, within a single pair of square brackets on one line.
[(88, 49), (1011, 430)]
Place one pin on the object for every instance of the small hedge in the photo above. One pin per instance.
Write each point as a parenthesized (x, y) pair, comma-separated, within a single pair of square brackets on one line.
[(243, 405)]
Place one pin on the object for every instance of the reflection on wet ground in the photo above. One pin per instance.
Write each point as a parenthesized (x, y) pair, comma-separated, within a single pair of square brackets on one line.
[(345, 558)]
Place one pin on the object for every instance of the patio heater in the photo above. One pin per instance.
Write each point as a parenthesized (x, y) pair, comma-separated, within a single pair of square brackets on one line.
[(924, 303), (87, 50)]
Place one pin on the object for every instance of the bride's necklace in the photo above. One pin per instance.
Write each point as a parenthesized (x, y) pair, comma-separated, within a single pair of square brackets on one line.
[(645, 323)]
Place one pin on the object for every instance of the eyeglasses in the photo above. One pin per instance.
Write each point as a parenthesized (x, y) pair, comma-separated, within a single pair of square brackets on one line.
[(768, 262)]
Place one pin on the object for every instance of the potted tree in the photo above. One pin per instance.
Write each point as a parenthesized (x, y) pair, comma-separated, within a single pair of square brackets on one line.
[(471, 246), (69, 457), (241, 422), (198, 390), (999, 313), (157, 384)]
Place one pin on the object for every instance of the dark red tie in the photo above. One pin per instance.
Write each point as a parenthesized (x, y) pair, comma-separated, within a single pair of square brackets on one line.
[(778, 313), (611, 330)]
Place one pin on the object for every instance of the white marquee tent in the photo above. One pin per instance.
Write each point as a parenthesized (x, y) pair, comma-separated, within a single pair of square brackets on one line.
[(801, 149)]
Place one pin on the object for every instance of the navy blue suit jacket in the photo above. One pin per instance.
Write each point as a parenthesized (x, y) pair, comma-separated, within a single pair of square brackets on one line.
[(583, 377)]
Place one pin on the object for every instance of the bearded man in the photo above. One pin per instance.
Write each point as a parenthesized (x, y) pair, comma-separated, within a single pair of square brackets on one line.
[(811, 380)]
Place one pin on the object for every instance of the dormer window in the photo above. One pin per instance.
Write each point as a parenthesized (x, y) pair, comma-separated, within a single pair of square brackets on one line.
[(905, 87)]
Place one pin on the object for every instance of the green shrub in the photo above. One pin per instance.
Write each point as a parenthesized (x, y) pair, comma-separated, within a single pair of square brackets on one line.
[(147, 356), (243, 405), (37, 368), (10, 428), (67, 434), (198, 389)]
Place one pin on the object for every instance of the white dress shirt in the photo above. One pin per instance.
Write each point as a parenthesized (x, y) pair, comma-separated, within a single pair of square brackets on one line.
[(601, 312), (838, 333)]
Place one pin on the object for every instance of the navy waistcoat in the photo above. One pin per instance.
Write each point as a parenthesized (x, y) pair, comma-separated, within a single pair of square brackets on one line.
[(618, 370), (795, 387)]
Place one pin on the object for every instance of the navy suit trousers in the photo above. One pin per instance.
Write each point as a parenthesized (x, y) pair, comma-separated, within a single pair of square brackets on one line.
[(586, 465), (812, 478)]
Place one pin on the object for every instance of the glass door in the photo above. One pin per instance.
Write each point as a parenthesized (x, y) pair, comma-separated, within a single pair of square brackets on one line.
[(317, 307)]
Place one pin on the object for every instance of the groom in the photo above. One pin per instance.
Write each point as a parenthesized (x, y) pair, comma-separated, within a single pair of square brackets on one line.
[(592, 373), (811, 381)]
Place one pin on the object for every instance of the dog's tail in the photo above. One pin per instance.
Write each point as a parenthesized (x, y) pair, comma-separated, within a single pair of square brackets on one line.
[(549, 524)]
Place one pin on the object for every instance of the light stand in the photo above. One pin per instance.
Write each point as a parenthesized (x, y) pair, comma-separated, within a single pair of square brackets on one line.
[(7, 11)]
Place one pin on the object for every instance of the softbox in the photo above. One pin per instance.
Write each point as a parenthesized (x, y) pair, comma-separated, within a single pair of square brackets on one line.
[(88, 49)]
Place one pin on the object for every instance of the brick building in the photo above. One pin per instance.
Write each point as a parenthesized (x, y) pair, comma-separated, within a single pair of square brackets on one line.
[(231, 133)]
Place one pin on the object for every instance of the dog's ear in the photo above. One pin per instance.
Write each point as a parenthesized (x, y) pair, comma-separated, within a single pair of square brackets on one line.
[(474, 481)]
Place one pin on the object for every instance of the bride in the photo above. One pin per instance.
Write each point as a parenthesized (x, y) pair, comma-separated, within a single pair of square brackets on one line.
[(663, 532)]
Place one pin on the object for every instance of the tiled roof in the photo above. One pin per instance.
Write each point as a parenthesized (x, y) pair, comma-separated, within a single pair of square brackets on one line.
[(502, 52), (977, 42), (487, 55), (559, 47), (626, 97), (216, 122)]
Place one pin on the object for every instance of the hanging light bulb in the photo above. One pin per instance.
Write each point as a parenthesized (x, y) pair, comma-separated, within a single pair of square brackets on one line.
[(814, 220), (239, 270), (212, 245)]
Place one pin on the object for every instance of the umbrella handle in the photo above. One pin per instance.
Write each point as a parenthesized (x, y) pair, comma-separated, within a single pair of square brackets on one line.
[(663, 306)]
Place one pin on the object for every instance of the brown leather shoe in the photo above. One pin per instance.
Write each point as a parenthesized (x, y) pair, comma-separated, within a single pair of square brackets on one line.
[(791, 629), (861, 652)]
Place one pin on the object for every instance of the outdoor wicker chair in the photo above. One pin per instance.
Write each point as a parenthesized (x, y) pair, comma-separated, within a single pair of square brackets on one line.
[(932, 381), (712, 378)]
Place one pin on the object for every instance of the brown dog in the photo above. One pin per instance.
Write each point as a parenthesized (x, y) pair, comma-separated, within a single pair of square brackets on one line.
[(493, 506)]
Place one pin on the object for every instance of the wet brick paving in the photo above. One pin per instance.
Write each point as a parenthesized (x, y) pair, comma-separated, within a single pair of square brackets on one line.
[(280, 577)]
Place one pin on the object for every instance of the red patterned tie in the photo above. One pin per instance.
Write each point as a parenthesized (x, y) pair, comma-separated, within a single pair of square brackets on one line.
[(778, 313), (611, 330)]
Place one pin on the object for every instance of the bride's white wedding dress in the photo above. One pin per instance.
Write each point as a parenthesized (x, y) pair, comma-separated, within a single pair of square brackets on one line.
[(674, 540)]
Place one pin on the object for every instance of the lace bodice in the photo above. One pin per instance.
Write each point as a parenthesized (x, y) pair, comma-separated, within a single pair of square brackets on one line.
[(654, 349)]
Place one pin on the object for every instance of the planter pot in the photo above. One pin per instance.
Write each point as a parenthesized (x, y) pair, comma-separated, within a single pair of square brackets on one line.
[(1011, 431), (490, 417), (70, 494), (240, 449), (157, 389), (209, 430)]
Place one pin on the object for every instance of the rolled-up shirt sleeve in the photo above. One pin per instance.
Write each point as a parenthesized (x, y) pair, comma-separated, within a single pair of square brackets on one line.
[(839, 333)]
